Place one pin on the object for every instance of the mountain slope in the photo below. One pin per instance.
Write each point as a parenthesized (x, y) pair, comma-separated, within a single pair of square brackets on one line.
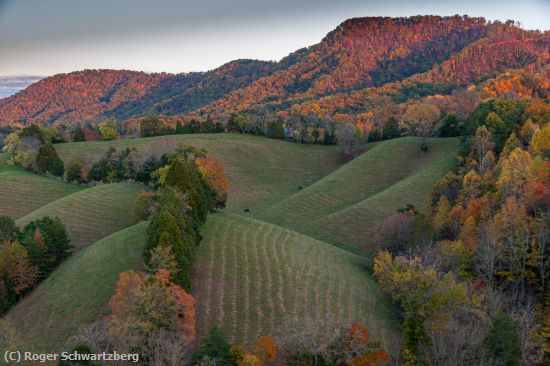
[(353, 82), (355, 67), (183, 93), (77, 96)]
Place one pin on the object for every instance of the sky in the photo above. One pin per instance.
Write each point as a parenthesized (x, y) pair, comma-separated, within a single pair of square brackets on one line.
[(45, 37)]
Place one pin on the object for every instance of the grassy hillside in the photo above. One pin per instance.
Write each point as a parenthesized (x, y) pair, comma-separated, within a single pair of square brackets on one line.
[(341, 207), (77, 292), (22, 192), (93, 213), (261, 171), (252, 276)]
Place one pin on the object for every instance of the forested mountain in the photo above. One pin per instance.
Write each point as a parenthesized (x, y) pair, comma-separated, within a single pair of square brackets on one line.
[(363, 65), (185, 92), (76, 96)]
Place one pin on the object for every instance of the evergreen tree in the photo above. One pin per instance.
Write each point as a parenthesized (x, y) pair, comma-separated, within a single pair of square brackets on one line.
[(8, 229), (47, 160), (185, 176), (502, 344), (164, 231), (74, 171), (147, 168), (450, 126), (79, 135), (47, 243), (391, 129), (215, 347), (194, 126)]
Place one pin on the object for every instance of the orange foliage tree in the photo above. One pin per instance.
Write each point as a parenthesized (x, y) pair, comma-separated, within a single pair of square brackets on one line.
[(144, 305), (212, 171)]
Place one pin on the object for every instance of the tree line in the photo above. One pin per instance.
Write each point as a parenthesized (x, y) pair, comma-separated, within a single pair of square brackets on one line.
[(471, 273)]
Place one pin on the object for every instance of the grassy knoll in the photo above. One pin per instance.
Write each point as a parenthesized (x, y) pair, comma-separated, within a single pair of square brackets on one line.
[(261, 170), (22, 192), (93, 213), (342, 206), (77, 292), (252, 276)]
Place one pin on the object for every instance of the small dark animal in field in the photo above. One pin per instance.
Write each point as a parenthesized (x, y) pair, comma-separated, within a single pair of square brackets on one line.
[(300, 187), (246, 210)]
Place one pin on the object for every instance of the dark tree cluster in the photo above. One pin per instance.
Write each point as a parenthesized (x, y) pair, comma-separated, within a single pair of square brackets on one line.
[(176, 210), (154, 126), (29, 255)]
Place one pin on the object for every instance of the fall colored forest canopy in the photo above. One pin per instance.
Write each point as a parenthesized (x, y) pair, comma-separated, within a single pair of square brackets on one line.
[(363, 71)]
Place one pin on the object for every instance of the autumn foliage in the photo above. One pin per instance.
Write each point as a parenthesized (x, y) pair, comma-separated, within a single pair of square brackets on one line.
[(145, 304), (354, 73)]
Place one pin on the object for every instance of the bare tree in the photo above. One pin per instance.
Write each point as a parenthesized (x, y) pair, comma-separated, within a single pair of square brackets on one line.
[(456, 343), (168, 349), (488, 252), (351, 138), (392, 233), (422, 120)]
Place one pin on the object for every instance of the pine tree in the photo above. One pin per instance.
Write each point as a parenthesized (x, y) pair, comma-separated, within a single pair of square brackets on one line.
[(79, 135), (8, 229), (184, 176), (47, 160), (215, 347), (502, 344)]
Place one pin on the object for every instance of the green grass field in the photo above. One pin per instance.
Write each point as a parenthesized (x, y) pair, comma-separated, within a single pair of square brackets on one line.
[(91, 214), (77, 292), (341, 207), (252, 277), (22, 192), (254, 270), (261, 170)]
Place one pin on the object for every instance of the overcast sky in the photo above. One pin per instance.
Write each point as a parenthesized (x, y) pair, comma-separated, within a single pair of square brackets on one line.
[(44, 37)]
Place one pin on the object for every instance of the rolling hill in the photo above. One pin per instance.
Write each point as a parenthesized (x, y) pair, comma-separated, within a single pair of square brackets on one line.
[(252, 277), (22, 192), (341, 207), (78, 291), (260, 170), (254, 270), (91, 214)]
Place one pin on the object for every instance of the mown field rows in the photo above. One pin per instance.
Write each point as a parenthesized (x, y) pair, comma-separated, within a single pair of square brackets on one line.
[(261, 170), (77, 293), (256, 271), (341, 207), (93, 213), (351, 224), (22, 192), (252, 277)]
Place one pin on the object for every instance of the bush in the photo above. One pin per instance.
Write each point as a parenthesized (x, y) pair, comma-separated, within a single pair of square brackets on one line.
[(74, 171)]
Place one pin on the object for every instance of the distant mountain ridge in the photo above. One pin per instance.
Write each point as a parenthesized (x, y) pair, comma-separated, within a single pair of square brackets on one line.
[(10, 85), (359, 62)]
